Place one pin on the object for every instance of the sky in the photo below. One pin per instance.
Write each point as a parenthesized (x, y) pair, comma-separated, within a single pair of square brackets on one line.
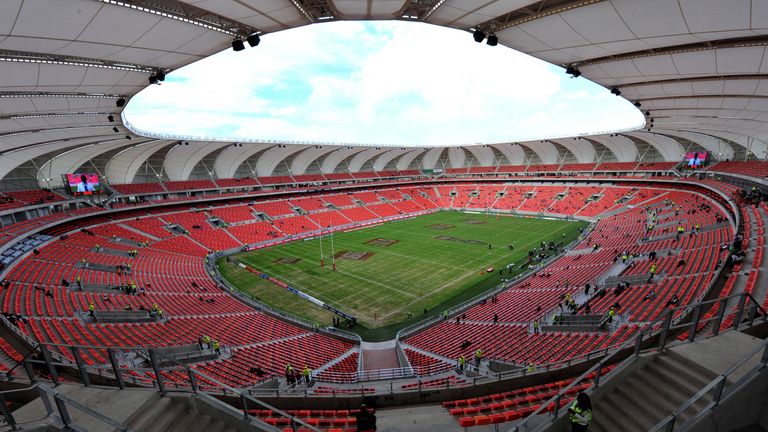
[(383, 83)]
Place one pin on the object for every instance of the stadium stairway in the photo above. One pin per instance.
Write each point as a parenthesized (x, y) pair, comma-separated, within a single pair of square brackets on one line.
[(378, 356), (639, 397)]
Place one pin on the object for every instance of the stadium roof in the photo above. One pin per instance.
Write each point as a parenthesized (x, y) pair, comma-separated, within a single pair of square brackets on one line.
[(698, 67)]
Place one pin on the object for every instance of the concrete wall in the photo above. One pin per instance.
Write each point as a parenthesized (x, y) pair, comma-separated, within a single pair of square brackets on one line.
[(748, 406)]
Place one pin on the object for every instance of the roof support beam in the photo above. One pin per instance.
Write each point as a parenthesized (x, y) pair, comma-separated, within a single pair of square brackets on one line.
[(696, 79), (677, 49), (533, 12), (180, 11), (32, 57)]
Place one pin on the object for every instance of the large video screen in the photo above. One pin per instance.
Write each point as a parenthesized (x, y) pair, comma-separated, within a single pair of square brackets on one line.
[(84, 184), (695, 160)]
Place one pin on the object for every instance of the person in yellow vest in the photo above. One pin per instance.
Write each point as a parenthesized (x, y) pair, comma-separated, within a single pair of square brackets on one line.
[(307, 374), (478, 357), (160, 314), (531, 367), (91, 309), (79, 282), (536, 327), (611, 314), (207, 341), (462, 362), (216, 346), (580, 413)]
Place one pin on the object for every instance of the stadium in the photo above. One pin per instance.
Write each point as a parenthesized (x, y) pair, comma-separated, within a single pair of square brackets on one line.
[(156, 281)]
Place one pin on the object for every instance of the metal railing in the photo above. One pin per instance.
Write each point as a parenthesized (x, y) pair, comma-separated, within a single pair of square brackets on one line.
[(656, 336), (156, 375), (712, 393)]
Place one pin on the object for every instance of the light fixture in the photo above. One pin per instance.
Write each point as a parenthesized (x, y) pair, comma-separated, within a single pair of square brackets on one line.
[(638, 104), (153, 80), (615, 91), (160, 75), (120, 102), (115, 129), (647, 113), (127, 137), (573, 70), (238, 45), (253, 40), (493, 40), (111, 118), (478, 35)]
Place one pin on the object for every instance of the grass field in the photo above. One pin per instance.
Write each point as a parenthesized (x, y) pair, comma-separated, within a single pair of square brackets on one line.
[(415, 271)]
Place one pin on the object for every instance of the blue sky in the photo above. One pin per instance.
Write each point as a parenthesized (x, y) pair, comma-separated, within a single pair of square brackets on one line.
[(389, 83)]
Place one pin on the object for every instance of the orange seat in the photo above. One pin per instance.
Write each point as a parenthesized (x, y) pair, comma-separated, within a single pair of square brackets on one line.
[(497, 418), (482, 420)]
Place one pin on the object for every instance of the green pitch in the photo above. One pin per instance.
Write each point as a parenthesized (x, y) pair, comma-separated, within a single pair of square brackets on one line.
[(385, 272)]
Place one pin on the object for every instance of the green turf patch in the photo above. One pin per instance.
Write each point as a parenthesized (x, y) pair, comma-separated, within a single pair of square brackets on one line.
[(416, 272)]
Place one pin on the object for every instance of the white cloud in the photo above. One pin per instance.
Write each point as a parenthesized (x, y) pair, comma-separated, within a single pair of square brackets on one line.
[(384, 83)]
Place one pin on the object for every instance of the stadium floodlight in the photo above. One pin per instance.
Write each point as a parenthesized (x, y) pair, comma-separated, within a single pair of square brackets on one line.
[(647, 113), (478, 35), (153, 80), (638, 104), (160, 75), (615, 91), (127, 137), (115, 129), (111, 118), (120, 102), (253, 40), (238, 45), (493, 40), (573, 70)]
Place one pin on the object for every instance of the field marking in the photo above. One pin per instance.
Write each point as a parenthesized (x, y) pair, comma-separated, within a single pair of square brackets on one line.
[(406, 279), (453, 281), (354, 276)]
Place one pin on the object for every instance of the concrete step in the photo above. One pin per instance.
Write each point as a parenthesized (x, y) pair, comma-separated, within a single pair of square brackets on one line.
[(619, 410), (216, 427), (659, 388), (201, 424), (166, 419), (157, 408), (646, 390), (187, 420)]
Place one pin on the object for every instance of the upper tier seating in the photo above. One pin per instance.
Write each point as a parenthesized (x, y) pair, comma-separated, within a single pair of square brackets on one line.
[(189, 185), (753, 168), (237, 182), (139, 188)]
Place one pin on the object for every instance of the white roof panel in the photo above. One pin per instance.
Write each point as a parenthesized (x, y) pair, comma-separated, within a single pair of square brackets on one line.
[(716, 15)]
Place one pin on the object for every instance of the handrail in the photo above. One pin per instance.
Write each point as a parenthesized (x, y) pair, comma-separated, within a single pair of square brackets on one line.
[(718, 383), (62, 401), (667, 325), (244, 397)]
